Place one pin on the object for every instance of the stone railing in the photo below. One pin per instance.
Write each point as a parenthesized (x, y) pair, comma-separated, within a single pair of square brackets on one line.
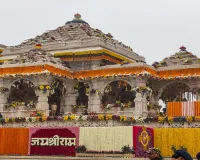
[(57, 46), (99, 123)]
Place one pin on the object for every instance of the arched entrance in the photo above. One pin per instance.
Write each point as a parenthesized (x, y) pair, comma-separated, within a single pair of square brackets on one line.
[(118, 92), (177, 92), (23, 91), (56, 94)]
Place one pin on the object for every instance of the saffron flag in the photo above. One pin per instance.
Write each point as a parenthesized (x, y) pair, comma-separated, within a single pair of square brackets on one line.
[(143, 139)]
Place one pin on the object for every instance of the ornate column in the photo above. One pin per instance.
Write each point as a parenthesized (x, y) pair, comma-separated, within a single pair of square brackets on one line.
[(95, 98), (62, 105), (141, 98), (70, 95), (43, 90)]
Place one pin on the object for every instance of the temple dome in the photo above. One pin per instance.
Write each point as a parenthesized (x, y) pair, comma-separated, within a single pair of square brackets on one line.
[(75, 30), (182, 57)]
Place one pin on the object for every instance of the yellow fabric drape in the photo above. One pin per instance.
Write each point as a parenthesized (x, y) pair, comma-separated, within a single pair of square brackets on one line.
[(106, 138), (164, 138)]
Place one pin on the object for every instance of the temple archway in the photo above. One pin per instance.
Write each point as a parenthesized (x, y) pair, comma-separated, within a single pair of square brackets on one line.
[(23, 91), (83, 89), (56, 95), (118, 92), (176, 92)]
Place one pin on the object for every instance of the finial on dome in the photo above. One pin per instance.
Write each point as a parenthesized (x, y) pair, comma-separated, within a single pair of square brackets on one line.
[(182, 48), (77, 16)]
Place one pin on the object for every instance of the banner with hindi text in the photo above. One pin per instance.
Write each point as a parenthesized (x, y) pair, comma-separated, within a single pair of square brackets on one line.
[(53, 141)]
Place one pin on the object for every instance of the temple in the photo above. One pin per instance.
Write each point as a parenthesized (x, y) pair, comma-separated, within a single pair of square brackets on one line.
[(82, 69)]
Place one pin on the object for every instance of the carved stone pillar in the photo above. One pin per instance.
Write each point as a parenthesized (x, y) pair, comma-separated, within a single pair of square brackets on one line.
[(43, 94), (95, 99), (62, 105), (144, 103), (70, 95), (141, 98), (43, 104)]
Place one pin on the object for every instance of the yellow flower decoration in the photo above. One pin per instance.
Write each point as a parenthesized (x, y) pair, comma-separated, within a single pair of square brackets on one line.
[(170, 119), (37, 119), (48, 87), (72, 117), (189, 119), (6, 120), (100, 117), (44, 118), (132, 119), (197, 118), (41, 87), (109, 117), (161, 119), (66, 118), (122, 118)]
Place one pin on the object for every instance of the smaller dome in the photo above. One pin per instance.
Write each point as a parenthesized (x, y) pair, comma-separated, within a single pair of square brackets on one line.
[(77, 19), (182, 57)]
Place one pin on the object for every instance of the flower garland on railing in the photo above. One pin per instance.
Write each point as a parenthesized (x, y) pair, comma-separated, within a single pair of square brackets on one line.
[(14, 104), (171, 120), (39, 117)]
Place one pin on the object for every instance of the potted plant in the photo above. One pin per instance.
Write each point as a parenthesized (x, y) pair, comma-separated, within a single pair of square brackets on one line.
[(128, 151), (80, 150)]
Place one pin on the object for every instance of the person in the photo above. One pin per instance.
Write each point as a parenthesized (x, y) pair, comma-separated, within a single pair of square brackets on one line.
[(198, 156), (1, 115), (182, 155), (154, 154), (53, 109)]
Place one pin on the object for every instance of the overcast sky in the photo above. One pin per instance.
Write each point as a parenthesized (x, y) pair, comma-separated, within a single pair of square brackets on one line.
[(154, 29)]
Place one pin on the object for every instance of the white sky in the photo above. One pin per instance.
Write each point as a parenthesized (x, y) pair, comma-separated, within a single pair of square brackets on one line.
[(154, 29)]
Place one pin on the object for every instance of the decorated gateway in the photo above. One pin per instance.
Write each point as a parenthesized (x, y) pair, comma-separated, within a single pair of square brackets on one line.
[(109, 102)]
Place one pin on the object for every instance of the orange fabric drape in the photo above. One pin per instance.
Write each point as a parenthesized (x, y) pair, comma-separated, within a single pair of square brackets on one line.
[(18, 70), (174, 109), (197, 108), (14, 141)]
